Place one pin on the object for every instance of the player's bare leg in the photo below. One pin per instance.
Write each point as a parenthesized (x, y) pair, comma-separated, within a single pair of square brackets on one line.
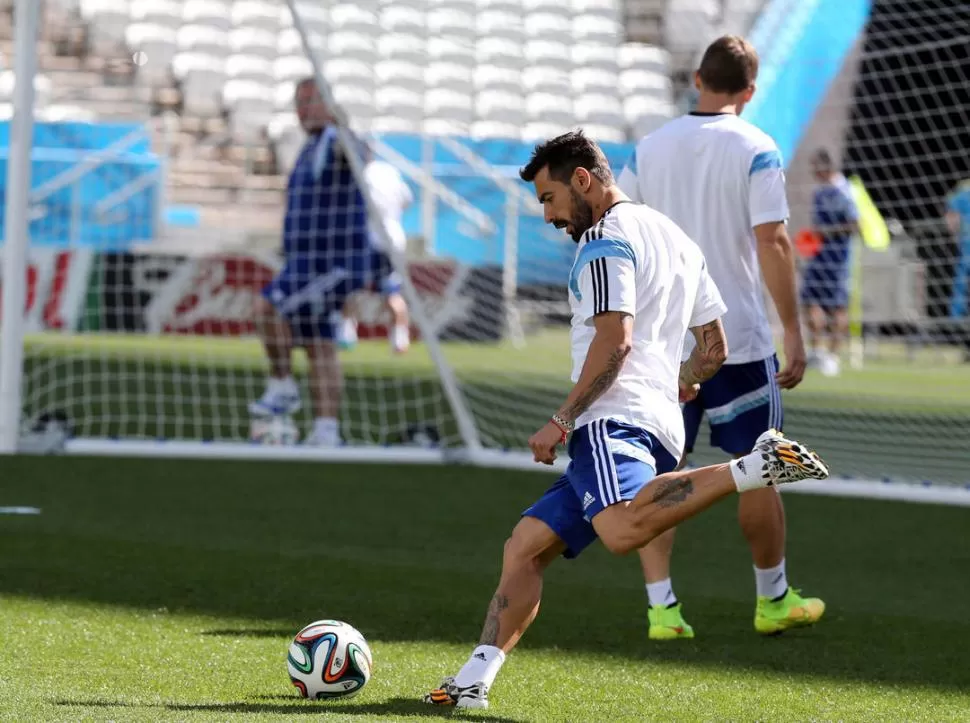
[(761, 515), (840, 330), (326, 386), (529, 550), (676, 496), (400, 331), (281, 396)]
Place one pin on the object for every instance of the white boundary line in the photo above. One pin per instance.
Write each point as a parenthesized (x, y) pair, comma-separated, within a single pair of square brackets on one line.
[(954, 495)]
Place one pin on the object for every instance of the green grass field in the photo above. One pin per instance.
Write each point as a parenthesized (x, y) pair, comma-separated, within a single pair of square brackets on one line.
[(893, 418), (155, 590)]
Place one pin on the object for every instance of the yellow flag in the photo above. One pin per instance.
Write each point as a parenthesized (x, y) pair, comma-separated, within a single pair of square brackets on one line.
[(872, 227)]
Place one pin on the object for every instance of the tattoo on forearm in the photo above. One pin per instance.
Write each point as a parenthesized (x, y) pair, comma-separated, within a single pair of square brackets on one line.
[(599, 385), (672, 492), (707, 356), (490, 629)]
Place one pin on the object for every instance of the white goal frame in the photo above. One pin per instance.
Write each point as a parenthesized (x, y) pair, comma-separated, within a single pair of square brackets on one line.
[(471, 452)]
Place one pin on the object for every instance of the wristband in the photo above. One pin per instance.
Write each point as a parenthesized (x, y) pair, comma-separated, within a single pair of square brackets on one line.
[(564, 426)]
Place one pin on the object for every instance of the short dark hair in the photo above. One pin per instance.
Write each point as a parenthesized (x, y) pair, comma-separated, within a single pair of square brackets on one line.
[(564, 154), (822, 157), (729, 65)]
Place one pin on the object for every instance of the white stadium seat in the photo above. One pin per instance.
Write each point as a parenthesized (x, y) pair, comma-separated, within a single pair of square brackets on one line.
[(508, 6), (349, 71), (351, 45), (595, 56), (548, 52), (395, 124), (544, 6), (499, 24), (292, 68), (547, 79), (599, 108), (158, 12), (606, 8), (549, 26), (644, 57), (597, 30), (107, 20), (61, 113), (494, 129), (316, 17), (449, 76), (445, 127), (202, 39), (397, 19), (500, 106), (202, 78), (444, 103), (356, 101), (289, 42), (465, 6), (543, 130), (400, 102), (157, 42), (255, 14), (211, 13), (595, 80), (42, 88), (451, 50), (645, 82), (254, 41), (605, 133), (353, 18), (550, 108), (403, 47), (495, 77), (500, 51), (251, 68), (250, 109), (393, 73), (450, 23)]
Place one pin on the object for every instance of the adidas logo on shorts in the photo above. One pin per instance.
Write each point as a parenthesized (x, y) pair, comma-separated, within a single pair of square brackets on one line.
[(587, 501)]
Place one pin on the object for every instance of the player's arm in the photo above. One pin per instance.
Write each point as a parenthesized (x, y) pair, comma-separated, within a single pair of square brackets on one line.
[(609, 349), (768, 206), (711, 347)]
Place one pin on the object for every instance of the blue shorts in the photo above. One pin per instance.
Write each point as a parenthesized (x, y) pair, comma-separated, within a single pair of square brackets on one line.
[(309, 297), (741, 401), (388, 281), (610, 463), (825, 283)]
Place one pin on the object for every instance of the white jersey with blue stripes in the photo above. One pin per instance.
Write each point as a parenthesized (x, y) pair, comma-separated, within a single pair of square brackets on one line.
[(717, 177), (637, 261)]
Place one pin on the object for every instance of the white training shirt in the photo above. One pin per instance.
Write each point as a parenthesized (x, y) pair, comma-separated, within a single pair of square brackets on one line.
[(391, 195), (717, 177), (636, 260)]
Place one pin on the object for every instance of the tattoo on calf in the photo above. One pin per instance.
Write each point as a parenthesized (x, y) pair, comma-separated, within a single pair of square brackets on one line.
[(490, 629), (673, 492)]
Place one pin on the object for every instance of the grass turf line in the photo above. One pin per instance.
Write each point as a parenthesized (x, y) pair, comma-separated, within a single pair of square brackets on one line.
[(168, 590)]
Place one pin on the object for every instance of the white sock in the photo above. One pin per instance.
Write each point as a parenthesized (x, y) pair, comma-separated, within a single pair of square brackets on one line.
[(400, 337), (746, 472), (661, 593), (482, 666), (286, 385), (326, 428), (773, 582), (348, 330)]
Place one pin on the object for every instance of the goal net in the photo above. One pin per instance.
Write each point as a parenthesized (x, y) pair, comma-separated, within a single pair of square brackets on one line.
[(143, 328)]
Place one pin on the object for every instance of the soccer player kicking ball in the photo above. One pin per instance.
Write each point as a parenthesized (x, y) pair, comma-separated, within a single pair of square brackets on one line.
[(637, 285), (721, 180)]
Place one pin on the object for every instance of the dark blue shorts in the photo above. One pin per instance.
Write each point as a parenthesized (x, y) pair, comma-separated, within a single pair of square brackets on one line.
[(610, 463), (310, 298), (825, 283), (388, 281), (741, 401)]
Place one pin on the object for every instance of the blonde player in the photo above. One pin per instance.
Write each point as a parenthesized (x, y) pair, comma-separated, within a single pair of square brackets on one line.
[(721, 180)]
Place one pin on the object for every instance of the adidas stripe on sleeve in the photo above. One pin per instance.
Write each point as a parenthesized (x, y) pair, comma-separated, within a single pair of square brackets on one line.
[(603, 277)]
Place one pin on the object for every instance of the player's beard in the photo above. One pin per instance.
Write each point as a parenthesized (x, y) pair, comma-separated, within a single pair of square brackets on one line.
[(582, 215)]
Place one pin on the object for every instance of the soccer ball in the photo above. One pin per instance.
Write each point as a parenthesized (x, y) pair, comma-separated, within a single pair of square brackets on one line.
[(329, 659), (275, 431)]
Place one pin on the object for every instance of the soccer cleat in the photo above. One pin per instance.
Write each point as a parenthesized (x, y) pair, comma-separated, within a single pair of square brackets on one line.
[(786, 460), (772, 617), (276, 404), (449, 694), (667, 623)]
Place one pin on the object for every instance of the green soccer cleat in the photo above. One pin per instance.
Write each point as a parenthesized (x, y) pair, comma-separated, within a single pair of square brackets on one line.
[(667, 623), (772, 617)]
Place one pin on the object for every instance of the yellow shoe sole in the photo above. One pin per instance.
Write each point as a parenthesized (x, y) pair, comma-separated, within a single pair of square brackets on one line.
[(799, 617)]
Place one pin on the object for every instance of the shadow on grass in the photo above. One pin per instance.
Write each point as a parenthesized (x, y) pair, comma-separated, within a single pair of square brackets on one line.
[(412, 554), (278, 705)]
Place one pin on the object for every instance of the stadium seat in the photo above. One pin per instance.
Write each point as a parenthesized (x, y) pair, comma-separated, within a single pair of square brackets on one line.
[(292, 68), (399, 102), (167, 13), (202, 77), (157, 42), (599, 108), (547, 79), (452, 50), (638, 105), (61, 113), (356, 101), (445, 127), (604, 133), (500, 51), (403, 47), (396, 19), (507, 6), (349, 71), (353, 18), (451, 23), (544, 6), (493, 129), (255, 14), (500, 106), (595, 80), (501, 24), (605, 8), (689, 24), (257, 41), (548, 26), (549, 108), (640, 56), (250, 68), (287, 137), (495, 77), (543, 130), (465, 6), (250, 108), (597, 30), (42, 88), (645, 82), (448, 75), (283, 96), (347, 44), (395, 124), (316, 18), (6, 111), (106, 19), (395, 74), (549, 52), (204, 39), (450, 104), (207, 13), (596, 56)]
